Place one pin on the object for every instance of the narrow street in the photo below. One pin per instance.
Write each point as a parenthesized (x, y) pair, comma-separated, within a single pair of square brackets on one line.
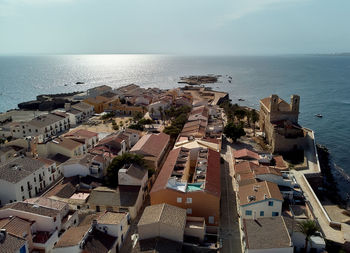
[(229, 229)]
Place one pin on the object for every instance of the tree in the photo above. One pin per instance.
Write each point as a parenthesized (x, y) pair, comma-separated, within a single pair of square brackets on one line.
[(118, 163), (234, 131), (254, 117), (308, 228), (160, 109), (137, 116), (240, 114), (136, 127)]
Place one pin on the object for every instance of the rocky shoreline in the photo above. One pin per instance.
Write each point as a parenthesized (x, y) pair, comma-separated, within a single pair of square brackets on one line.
[(335, 188), (48, 102)]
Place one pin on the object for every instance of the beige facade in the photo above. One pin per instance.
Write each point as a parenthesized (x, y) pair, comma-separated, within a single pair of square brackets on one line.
[(279, 122)]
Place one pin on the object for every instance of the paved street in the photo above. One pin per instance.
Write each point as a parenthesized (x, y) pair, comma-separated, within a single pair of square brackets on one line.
[(229, 229)]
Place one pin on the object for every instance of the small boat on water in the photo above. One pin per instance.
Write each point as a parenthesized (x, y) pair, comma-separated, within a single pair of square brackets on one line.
[(318, 115), (229, 81), (241, 99), (79, 83)]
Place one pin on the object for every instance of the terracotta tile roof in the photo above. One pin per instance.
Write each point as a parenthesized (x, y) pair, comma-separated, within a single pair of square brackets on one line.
[(166, 170), (151, 144), (82, 133), (266, 170), (212, 179), (99, 242), (46, 202), (66, 143), (260, 191), (12, 244), (46, 161), (81, 106), (259, 234), (72, 236), (157, 245), (65, 189), (164, 214), (32, 208), (245, 153), (111, 218), (245, 167), (123, 196), (19, 168), (279, 162), (17, 226), (136, 171), (45, 120)]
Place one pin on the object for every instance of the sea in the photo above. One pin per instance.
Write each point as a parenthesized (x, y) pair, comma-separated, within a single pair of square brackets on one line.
[(322, 81)]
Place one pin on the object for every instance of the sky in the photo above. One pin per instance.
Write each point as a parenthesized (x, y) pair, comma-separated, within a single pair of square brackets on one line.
[(184, 27)]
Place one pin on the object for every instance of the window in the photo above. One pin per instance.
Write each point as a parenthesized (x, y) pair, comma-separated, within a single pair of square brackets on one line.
[(22, 197), (22, 189), (262, 213), (275, 214), (179, 200), (189, 200), (121, 228), (211, 219), (248, 212), (189, 211), (270, 203), (34, 179)]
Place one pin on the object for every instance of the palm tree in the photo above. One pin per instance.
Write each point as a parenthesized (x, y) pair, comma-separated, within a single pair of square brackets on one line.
[(308, 228), (254, 117), (160, 109)]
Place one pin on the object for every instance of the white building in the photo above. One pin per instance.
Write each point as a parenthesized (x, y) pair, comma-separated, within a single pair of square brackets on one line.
[(261, 199), (133, 175), (22, 178), (39, 221), (93, 165), (86, 109), (96, 91), (134, 136), (62, 145), (106, 234), (154, 108), (43, 126), (86, 137)]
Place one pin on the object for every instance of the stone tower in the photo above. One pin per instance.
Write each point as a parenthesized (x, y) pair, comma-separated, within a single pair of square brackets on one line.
[(273, 103), (294, 103)]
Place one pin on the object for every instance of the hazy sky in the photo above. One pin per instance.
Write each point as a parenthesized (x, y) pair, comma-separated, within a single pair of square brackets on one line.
[(174, 26)]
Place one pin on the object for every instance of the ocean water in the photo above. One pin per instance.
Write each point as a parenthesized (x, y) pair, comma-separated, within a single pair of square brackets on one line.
[(323, 82)]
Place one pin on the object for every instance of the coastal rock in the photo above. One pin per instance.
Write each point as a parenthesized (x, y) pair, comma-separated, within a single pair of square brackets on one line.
[(197, 80)]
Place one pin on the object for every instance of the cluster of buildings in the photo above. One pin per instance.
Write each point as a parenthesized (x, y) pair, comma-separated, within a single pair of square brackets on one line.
[(130, 99), (53, 194), (270, 204)]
